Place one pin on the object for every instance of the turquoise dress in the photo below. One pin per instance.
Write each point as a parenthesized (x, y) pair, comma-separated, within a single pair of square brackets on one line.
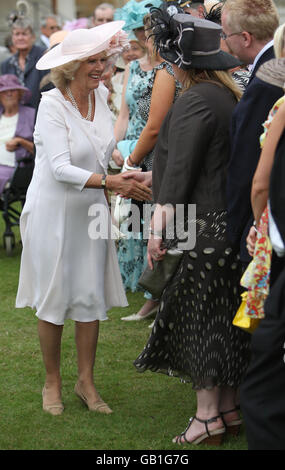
[(137, 86), (132, 249)]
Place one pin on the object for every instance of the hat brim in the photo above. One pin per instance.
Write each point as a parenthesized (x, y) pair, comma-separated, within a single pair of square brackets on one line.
[(219, 61), (56, 57), (27, 94)]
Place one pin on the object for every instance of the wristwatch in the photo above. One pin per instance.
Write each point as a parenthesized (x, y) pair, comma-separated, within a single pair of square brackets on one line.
[(103, 182)]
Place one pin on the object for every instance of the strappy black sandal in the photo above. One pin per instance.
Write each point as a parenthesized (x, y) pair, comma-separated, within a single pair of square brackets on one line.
[(213, 437), (232, 427)]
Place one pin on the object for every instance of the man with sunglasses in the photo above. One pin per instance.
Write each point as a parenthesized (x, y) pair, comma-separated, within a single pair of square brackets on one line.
[(49, 25)]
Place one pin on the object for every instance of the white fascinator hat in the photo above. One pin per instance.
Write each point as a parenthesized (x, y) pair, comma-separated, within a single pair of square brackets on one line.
[(82, 43)]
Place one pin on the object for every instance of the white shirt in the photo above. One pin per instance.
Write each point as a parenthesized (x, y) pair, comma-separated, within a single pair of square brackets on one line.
[(264, 49), (45, 40), (274, 235), (7, 132)]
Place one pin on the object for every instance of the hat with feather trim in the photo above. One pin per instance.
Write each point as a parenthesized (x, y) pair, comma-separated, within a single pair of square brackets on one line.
[(80, 44), (273, 72), (133, 13), (189, 42)]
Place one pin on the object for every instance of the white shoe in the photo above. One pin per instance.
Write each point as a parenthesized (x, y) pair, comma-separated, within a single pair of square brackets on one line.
[(137, 317)]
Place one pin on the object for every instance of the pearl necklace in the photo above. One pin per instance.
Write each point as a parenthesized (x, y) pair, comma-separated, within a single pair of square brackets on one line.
[(73, 102)]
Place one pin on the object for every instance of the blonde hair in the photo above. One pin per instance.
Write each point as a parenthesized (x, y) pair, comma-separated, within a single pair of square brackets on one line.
[(258, 17), (62, 75), (219, 77), (279, 41)]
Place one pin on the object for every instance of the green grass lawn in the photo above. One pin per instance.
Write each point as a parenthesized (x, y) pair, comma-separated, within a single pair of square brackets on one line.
[(149, 409)]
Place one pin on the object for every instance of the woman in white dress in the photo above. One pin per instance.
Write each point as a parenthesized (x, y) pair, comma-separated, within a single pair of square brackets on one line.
[(69, 265)]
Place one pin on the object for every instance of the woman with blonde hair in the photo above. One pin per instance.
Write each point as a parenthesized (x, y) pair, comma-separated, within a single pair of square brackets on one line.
[(279, 41), (69, 266), (193, 337)]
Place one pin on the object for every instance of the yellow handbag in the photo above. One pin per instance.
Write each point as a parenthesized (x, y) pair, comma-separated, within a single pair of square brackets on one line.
[(242, 320)]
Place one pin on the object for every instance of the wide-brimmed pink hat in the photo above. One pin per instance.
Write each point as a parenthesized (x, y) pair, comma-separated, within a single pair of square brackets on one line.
[(11, 82), (82, 43)]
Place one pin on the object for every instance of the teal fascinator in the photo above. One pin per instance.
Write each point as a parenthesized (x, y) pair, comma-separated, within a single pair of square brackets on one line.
[(133, 13)]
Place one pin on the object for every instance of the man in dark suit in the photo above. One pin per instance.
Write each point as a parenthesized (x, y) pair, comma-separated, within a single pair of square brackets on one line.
[(248, 30)]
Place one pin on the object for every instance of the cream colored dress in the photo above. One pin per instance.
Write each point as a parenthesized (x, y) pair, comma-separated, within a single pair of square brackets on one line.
[(69, 266)]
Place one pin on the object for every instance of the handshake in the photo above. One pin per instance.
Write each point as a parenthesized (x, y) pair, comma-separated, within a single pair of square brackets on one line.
[(144, 177)]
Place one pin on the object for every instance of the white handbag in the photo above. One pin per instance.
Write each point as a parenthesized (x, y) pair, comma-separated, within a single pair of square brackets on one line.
[(122, 209), (123, 205)]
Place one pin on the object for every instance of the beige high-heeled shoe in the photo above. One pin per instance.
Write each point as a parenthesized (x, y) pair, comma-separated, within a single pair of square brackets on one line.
[(55, 408), (98, 405)]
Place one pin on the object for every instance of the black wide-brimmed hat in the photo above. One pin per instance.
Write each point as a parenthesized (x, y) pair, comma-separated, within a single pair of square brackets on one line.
[(189, 42)]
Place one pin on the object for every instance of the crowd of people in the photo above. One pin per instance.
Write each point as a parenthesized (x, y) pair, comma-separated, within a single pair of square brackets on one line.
[(161, 104)]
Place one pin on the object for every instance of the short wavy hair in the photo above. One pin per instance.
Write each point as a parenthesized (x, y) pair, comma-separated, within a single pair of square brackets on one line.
[(258, 17), (62, 75), (23, 23)]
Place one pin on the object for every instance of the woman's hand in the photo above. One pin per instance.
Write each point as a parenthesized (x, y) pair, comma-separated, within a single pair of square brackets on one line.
[(155, 250), (144, 177), (12, 144), (117, 157), (128, 187), (251, 240)]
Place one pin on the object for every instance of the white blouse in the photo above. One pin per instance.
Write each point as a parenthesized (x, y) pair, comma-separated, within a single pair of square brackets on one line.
[(7, 132)]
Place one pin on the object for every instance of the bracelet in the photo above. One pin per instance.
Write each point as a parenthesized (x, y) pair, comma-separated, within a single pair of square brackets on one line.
[(128, 167), (103, 182), (132, 162), (254, 225)]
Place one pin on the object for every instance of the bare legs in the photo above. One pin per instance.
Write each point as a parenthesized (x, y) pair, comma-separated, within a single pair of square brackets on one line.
[(148, 306), (50, 342), (86, 336), (211, 403)]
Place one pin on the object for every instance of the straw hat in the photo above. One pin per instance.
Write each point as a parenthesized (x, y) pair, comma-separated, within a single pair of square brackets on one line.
[(83, 43)]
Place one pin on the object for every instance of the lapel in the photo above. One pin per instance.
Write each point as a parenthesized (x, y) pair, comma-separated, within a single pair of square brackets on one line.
[(30, 64), (267, 55)]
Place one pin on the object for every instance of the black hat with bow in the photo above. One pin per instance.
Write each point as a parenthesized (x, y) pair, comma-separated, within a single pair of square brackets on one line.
[(189, 42)]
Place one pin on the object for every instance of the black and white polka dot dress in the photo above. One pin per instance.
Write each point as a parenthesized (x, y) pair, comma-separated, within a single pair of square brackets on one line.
[(193, 337)]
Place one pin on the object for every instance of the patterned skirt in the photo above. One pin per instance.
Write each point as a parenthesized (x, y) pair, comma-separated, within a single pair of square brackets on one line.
[(132, 260), (193, 337)]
